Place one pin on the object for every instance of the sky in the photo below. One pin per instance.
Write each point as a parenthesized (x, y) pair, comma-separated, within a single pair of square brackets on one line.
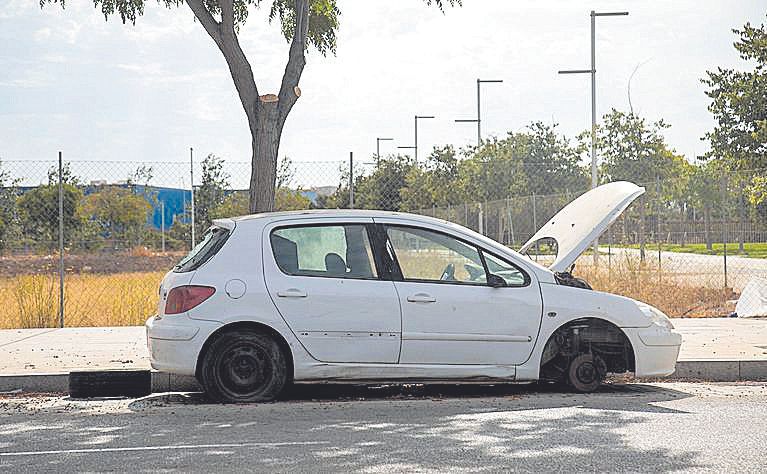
[(104, 91)]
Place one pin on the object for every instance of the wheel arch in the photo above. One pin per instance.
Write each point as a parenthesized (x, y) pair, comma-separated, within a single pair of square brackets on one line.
[(599, 331), (248, 326)]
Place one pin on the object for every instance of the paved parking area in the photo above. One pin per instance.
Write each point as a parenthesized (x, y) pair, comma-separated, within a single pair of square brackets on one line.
[(633, 427)]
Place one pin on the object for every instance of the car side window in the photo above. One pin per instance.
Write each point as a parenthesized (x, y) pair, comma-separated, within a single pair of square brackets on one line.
[(335, 251), (512, 274), (424, 255)]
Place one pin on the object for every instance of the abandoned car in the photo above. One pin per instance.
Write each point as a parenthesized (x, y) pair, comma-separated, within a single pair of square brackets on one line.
[(373, 296)]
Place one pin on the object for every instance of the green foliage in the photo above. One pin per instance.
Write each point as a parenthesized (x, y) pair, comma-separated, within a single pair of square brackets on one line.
[(8, 194), (211, 192), (290, 200), (236, 203), (117, 212), (633, 149), (537, 160), (739, 104), (38, 212)]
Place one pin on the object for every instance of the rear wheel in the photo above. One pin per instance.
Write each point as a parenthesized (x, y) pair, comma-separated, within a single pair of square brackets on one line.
[(586, 373), (242, 367)]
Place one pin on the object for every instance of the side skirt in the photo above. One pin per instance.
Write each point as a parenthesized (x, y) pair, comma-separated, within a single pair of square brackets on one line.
[(320, 372)]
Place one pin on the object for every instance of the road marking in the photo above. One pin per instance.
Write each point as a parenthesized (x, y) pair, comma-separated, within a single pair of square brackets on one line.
[(161, 448)]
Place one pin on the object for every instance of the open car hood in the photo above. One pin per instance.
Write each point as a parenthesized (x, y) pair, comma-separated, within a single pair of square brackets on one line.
[(579, 223)]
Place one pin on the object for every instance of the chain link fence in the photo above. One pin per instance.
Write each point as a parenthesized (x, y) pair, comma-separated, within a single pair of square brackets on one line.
[(688, 246)]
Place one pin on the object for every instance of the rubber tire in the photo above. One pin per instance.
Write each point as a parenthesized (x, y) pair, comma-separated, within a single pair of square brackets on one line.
[(595, 373), (211, 376), (110, 383)]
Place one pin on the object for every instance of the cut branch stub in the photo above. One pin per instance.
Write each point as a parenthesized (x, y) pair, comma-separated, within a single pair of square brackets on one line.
[(297, 91), (269, 98)]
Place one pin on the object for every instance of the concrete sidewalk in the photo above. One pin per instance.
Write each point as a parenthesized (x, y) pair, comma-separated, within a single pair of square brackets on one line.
[(721, 349)]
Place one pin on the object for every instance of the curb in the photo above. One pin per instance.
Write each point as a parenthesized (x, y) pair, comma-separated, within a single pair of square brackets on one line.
[(708, 370), (59, 382), (721, 370)]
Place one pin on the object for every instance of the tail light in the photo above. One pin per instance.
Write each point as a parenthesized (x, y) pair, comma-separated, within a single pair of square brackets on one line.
[(183, 298)]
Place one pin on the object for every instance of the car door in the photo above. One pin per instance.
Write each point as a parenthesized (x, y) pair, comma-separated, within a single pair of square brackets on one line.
[(324, 280), (450, 315)]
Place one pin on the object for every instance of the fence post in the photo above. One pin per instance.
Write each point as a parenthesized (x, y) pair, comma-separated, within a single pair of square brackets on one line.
[(162, 224), (724, 226), (351, 180), (511, 222), (466, 213), (191, 186), (480, 220), (61, 243), (660, 207)]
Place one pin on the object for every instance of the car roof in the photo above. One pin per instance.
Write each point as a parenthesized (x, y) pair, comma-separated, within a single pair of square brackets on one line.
[(332, 213)]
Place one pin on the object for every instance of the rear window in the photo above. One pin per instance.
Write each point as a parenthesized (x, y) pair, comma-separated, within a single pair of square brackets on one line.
[(210, 244), (335, 251)]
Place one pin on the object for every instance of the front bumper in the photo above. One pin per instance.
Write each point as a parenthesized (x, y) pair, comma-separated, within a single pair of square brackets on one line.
[(175, 342), (656, 350)]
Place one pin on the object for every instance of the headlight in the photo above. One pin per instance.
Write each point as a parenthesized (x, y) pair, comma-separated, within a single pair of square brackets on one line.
[(656, 316)]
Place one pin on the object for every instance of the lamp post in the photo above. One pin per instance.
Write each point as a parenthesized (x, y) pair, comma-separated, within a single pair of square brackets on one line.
[(415, 135), (378, 147), (593, 72), (478, 120)]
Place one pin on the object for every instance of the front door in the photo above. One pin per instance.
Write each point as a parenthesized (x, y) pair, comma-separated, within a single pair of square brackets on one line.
[(450, 315), (323, 279)]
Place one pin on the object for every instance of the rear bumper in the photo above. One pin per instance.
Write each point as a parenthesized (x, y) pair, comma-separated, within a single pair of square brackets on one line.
[(175, 342), (655, 350)]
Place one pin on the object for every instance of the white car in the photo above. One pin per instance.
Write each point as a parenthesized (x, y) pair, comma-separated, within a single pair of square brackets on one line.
[(374, 296)]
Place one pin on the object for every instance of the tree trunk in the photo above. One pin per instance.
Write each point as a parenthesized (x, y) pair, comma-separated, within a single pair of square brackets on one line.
[(265, 139), (707, 225), (266, 113)]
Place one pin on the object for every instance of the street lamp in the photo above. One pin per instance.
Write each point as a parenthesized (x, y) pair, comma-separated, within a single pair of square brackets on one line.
[(478, 120), (593, 72), (415, 135), (378, 147)]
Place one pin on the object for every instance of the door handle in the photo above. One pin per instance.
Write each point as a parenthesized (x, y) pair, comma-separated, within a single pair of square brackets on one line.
[(292, 293), (421, 298)]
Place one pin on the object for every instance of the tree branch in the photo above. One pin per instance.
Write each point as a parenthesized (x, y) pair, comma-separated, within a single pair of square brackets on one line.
[(289, 91), (226, 39), (206, 19)]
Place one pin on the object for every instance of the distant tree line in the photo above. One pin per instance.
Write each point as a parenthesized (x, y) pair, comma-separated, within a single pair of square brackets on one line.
[(728, 182)]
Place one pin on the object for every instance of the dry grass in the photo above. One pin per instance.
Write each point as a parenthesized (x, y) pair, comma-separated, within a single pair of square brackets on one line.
[(122, 299), (670, 292)]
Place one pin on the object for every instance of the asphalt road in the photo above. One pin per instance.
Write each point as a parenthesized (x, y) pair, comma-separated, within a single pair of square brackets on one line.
[(633, 427)]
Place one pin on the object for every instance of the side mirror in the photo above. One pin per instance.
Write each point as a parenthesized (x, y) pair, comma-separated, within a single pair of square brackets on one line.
[(495, 281)]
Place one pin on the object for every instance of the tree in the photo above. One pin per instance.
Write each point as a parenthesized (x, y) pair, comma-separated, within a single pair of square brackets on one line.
[(8, 194), (739, 104), (635, 150), (304, 23), (435, 182), (118, 213), (213, 189), (39, 209)]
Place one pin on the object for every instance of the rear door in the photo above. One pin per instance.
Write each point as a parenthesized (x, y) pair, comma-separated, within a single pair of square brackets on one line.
[(324, 279), (449, 313)]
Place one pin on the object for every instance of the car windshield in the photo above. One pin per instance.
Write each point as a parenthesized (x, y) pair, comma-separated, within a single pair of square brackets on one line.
[(211, 243)]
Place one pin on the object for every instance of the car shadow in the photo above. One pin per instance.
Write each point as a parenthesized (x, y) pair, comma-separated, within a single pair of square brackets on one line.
[(610, 396)]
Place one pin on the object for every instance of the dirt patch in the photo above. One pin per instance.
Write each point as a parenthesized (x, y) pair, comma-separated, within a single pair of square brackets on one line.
[(98, 262)]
